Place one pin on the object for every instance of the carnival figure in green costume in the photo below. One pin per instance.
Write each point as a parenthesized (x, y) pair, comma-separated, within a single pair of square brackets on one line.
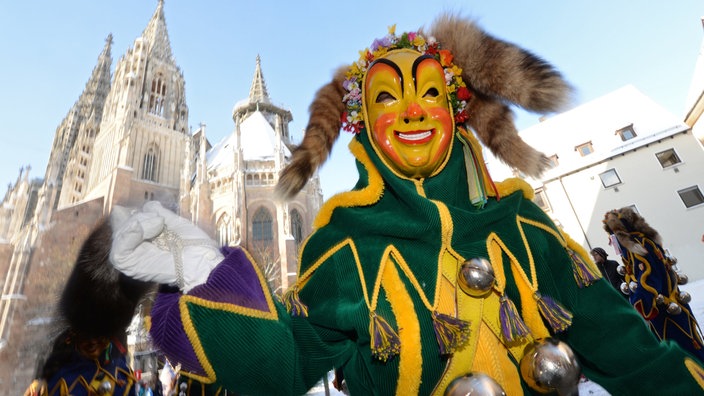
[(426, 278)]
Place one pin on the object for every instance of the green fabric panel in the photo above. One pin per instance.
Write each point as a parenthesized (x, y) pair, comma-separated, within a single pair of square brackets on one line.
[(273, 362)]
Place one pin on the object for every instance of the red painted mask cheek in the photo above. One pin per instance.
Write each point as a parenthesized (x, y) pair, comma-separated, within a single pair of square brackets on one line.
[(383, 133), (442, 117)]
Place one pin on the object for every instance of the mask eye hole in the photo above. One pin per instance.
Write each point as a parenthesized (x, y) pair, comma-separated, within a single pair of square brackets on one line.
[(431, 93), (384, 97)]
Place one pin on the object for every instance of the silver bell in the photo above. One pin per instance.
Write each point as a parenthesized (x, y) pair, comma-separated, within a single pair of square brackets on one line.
[(476, 277), (682, 279), (674, 309), (621, 269), (105, 388), (478, 384), (633, 286), (624, 288), (550, 365), (660, 299), (684, 297)]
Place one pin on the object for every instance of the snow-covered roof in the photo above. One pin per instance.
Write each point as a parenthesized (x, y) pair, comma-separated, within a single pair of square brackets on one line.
[(258, 140)]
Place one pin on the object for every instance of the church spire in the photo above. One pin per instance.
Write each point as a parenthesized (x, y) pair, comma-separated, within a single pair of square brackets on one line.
[(157, 36), (258, 93), (98, 85)]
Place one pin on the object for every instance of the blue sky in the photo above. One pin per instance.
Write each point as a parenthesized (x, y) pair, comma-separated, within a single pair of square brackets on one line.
[(49, 49)]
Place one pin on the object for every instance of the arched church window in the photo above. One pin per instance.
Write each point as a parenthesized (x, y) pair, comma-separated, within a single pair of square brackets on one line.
[(296, 226), (262, 226), (150, 166), (224, 230), (157, 96)]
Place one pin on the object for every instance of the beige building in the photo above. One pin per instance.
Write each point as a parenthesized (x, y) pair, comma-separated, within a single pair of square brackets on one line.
[(127, 140), (623, 149)]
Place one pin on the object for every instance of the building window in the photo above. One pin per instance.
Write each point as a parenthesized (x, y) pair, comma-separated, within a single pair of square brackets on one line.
[(157, 96), (150, 165), (691, 196), (541, 199), (626, 133), (610, 178), (261, 226), (296, 226), (584, 149), (668, 158), (224, 230), (554, 161)]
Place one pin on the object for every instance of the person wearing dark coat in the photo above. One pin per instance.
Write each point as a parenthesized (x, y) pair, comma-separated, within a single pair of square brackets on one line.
[(608, 268)]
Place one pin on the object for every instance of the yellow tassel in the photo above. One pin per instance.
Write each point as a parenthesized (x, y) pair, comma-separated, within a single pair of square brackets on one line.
[(451, 332), (556, 315), (584, 274), (293, 303), (384, 340)]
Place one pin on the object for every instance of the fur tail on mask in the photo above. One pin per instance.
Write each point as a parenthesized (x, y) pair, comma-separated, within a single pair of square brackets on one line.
[(500, 73), (321, 133)]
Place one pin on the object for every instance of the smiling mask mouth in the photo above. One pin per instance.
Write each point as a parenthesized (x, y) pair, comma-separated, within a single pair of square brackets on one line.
[(415, 137)]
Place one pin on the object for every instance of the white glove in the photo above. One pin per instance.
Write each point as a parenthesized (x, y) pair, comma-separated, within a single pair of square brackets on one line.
[(193, 253), (157, 245), (130, 254)]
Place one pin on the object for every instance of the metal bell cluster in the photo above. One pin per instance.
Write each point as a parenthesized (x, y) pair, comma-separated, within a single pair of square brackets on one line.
[(621, 269), (674, 308), (474, 384), (625, 289), (476, 277), (550, 365)]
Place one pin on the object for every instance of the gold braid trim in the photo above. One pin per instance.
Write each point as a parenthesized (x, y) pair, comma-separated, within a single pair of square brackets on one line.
[(366, 196)]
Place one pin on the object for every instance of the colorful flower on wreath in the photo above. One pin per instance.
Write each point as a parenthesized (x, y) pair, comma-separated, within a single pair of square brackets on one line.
[(459, 94)]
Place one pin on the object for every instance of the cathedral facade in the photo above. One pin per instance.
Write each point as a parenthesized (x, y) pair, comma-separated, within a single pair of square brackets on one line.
[(125, 141)]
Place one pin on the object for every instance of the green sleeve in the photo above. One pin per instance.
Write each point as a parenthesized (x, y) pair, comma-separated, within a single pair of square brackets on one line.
[(614, 345), (231, 332)]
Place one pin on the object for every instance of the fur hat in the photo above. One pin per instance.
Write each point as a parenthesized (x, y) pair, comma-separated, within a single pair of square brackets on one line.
[(497, 73)]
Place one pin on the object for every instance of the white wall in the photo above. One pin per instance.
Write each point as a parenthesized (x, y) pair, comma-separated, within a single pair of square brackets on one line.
[(579, 201)]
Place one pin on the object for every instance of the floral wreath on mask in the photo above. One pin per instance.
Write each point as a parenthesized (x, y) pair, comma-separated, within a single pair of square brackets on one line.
[(352, 119)]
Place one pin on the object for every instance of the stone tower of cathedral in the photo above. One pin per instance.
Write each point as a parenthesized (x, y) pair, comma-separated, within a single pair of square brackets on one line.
[(139, 152), (73, 140)]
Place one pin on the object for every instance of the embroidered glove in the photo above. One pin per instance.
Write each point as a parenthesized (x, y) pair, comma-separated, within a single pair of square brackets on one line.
[(131, 254), (157, 245), (193, 253)]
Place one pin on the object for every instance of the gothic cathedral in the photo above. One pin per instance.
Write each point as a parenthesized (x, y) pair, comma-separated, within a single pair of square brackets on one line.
[(127, 140)]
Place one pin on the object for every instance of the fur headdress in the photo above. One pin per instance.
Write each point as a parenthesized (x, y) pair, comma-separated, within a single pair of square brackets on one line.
[(95, 307), (497, 74), (622, 222)]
